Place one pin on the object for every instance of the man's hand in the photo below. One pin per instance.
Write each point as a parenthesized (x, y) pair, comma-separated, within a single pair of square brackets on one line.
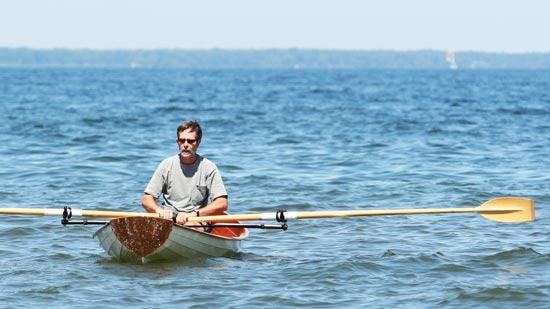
[(165, 214), (182, 217)]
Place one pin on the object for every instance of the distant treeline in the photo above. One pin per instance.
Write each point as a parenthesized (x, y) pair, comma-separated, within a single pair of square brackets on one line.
[(268, 59)]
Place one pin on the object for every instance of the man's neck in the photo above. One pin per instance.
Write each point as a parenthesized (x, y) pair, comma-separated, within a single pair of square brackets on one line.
[(189, 160)]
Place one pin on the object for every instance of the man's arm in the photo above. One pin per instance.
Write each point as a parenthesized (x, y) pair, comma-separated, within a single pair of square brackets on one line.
[(150, 204), (217, 207)]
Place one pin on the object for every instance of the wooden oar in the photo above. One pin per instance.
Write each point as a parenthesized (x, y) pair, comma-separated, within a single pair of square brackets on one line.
[(503, 209)]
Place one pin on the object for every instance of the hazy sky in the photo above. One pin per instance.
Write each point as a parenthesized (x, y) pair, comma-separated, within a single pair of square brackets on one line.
[(486, 25)]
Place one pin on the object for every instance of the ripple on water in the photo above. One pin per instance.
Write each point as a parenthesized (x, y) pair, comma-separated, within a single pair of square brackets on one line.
[(513, 254), (516, 295), (45, 292), (451, 268)]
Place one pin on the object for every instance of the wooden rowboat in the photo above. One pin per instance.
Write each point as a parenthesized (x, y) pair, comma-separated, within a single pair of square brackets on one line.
[(149, 238)]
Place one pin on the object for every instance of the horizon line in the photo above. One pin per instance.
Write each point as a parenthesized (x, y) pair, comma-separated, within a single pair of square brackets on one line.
[(254, 49)]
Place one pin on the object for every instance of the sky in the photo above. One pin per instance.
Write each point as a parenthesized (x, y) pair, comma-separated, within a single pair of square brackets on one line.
[(465, 25)]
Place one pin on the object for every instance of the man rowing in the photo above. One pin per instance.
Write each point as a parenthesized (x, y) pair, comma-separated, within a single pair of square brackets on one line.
[(190, 184)]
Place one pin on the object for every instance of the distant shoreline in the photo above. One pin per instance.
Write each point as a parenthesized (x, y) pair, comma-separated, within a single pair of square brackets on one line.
[(270, 59)]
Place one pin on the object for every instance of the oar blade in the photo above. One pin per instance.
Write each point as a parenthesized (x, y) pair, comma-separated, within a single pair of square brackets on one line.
[(509, 209)]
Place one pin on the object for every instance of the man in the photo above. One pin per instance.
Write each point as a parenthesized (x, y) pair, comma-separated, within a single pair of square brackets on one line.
[(187, 181)]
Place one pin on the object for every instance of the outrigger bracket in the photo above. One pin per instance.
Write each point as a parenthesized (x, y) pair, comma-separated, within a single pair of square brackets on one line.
[(283, 227), (68, 213)]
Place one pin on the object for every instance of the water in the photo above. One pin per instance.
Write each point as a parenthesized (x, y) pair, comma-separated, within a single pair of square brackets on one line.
[(302, 140)]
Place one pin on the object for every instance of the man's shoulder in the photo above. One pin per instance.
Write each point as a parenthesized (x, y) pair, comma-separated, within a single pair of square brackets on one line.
[(207, 164), (169, 161)]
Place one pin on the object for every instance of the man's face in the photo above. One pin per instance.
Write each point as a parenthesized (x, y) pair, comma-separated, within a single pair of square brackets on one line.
[(188, 144)]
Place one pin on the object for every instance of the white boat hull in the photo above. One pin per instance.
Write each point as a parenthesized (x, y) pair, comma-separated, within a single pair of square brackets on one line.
[(149, 239)]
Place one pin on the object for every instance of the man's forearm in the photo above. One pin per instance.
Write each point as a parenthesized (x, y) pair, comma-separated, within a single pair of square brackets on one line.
[(150, 204), (217, 207)]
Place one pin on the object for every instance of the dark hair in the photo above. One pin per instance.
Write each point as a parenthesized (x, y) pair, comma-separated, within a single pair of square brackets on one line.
[(193, 125)]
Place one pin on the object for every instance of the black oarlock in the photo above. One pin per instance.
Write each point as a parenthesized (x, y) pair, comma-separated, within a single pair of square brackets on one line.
[(67, 214), (280, 215)]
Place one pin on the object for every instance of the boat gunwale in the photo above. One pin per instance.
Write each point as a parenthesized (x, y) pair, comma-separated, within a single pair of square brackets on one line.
[(241, 237)]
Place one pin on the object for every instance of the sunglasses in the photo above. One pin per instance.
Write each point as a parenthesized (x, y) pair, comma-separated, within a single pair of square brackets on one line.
[(188, 140)]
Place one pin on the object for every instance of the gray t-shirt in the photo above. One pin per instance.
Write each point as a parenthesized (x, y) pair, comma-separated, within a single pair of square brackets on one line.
[(186, 187)]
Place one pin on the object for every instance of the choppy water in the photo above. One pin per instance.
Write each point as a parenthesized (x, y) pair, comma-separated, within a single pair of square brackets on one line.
[(302, 140)]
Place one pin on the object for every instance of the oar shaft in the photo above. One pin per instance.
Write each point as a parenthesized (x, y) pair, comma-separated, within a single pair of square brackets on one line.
[(347, 213), (366, 213), (32, 211), (75, 212), (116, 214)]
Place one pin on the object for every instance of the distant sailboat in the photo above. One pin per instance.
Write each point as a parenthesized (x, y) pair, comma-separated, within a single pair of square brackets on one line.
[(451, 60)]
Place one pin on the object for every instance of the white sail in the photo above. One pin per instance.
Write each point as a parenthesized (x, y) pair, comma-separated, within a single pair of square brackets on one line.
[(450, 58)]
